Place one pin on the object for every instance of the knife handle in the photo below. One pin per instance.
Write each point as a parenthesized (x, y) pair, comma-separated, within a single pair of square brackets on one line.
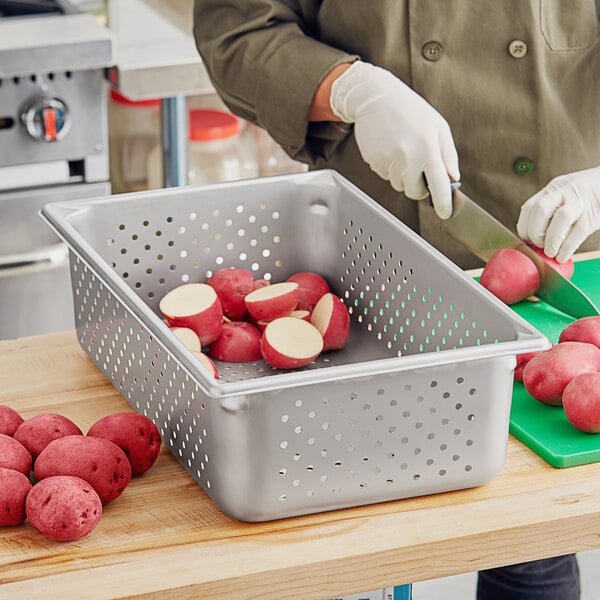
[(454, 185)]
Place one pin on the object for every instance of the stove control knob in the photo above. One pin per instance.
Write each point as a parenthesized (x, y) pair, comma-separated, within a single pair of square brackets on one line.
[(46, 119)]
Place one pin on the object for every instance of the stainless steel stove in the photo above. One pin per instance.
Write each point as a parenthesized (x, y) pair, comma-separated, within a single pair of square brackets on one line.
[(53, 147)]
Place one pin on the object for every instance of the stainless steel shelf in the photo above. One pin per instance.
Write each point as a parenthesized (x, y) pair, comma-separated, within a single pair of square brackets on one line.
[(156, 52)]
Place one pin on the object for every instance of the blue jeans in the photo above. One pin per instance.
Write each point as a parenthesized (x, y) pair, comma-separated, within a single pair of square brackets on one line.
[(548, 579)]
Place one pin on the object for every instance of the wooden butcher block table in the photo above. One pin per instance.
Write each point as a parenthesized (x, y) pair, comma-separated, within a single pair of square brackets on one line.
[(164, 538)]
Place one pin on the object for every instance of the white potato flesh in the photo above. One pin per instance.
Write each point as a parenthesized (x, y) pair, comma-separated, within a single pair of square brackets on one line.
[(188, 299), (321, 315), (294, 337), (207, 363), (271, 291), (189, 337)]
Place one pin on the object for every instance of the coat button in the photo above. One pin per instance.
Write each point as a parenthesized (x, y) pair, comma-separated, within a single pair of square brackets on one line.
[(523, 166), (432, 51), (517, 48)]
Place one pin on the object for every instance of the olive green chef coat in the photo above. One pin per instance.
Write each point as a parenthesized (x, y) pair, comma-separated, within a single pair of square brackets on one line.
[(517, 80)]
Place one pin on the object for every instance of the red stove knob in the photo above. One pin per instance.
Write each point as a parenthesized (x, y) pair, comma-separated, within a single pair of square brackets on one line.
[(46, 119)]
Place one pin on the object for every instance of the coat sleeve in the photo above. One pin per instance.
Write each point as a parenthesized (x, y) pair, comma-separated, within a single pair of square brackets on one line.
[(265, 61)]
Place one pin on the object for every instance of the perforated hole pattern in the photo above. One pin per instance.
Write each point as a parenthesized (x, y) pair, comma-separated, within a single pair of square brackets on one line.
[(407, 439)]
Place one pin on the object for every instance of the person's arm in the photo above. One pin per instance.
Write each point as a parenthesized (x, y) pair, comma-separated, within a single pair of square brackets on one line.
[(320, 108), (268, 69), (563, 214), (266, 65)]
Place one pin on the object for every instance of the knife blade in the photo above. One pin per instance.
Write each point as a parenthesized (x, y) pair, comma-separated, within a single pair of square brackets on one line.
[(483, 235)]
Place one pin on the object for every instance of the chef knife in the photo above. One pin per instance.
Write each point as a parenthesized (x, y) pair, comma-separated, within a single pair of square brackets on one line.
[(483, 235)]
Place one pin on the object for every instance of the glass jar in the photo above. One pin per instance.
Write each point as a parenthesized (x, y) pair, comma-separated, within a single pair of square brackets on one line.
[(270, 156), (216, 152), (134, 132)]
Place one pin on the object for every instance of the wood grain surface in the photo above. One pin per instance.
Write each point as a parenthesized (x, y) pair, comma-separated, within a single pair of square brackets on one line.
[(164, 538)]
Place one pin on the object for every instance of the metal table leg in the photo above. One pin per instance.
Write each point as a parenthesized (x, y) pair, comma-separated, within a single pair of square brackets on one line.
[(175, 140)]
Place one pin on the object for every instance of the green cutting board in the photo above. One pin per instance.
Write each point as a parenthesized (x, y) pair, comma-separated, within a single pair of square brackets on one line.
[(541, 427)]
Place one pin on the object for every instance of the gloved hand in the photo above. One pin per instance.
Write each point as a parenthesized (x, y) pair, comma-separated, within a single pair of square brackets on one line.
[(399, 135), (563, 214)]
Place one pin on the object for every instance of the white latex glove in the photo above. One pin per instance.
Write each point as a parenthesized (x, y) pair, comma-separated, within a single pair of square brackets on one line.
[(563, 214), (399, 135)]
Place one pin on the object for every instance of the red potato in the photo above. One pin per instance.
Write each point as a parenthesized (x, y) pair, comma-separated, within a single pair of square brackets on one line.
[(301, 314), (232, 285), (547, 374), (189, 338), (239, 342), (63, 507), (10, 420), (581, 401), (13, 455), (522, 360), (510, 276), (135, 434), (260, 325), (311, 288), (14, 488), (197, 306), (566, 269), (37, 432), (330, 316), (272, 301), (258, 283), (290, 343), (207, 362), (297, 314), (586, 329), (96, 460)]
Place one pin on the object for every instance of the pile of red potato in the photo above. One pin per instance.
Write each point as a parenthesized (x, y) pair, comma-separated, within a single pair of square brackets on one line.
[(567, 374), (58, 478), (234, 318)]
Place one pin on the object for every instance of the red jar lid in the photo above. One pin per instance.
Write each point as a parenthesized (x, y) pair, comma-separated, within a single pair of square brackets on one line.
[(208, 124), (120, 99)]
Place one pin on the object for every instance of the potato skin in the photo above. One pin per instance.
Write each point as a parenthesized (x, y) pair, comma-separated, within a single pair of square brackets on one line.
[(136, 435), (13, 455), (14, 488), (312, 287), (522, 360), (581, 401), (585, 329), (510, 276), (37, 432), (63, 507), (10, 420), (546, 375), (239, 342), (566, 269), (98, 461), (232, 285)]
